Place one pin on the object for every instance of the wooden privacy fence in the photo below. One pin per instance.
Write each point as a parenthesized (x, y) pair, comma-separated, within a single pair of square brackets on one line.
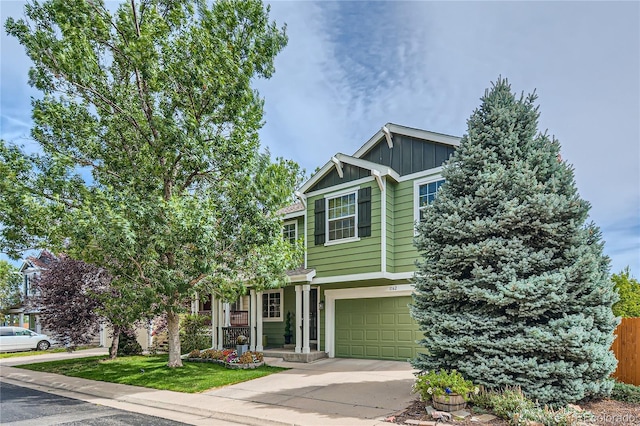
[(626, 347)]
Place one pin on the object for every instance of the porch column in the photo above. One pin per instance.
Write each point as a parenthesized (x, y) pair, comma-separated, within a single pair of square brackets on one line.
[(305, 323), (227, 314), (252, 319), (258, 311), (214, 323), (195, 305), (220, 322), (298, 319)]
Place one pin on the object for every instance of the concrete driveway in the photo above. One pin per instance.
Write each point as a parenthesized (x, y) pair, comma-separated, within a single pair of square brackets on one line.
[(330, 389), (335, 392)]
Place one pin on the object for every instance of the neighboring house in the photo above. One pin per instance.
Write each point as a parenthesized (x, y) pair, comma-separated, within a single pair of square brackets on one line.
[(357, 218), (27, 315)]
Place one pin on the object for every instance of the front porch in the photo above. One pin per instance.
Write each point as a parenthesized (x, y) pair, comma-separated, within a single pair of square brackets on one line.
[(260, 316)]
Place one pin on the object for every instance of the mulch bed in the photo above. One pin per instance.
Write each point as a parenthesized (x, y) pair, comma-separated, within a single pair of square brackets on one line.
[(607, 412)]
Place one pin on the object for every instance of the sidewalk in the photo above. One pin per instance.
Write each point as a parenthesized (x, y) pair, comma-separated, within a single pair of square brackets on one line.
[(327, 392)]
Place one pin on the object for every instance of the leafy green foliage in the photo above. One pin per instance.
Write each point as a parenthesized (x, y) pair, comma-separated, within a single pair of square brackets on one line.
[(149, 161), (10, 281), (438, 383), (629, 290), (152, 372), (513, 288), (192, 335), (128, 344), (626, 393), (511, 404)]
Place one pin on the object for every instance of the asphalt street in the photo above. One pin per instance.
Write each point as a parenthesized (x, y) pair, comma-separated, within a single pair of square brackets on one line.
[(21, 406)]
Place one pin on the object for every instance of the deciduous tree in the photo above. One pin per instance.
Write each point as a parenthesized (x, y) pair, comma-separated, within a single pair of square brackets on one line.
[(513, 287), (10, 280), (149, 163), (629, 290)]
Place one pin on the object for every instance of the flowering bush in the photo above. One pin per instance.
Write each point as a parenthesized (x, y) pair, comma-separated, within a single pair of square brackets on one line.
[(228, 356), (437, 383)]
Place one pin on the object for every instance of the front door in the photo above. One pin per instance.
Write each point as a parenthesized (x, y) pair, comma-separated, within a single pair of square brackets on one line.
[(313, 314)]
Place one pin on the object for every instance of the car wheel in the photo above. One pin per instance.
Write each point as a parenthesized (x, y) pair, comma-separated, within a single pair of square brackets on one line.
[(43, 345)]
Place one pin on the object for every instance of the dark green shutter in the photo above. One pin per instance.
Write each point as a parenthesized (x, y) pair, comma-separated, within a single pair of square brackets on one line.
[(364, 212), (319, 213)]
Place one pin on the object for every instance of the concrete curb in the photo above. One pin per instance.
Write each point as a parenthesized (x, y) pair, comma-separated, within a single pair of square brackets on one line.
[(25, 378)]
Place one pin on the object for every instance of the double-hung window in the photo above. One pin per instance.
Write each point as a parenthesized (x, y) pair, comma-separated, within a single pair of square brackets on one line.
[(341, 217), (425, 193), (290, 232), (272, 305)]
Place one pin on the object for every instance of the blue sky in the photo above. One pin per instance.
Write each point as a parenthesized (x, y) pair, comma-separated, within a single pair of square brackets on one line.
[(350, 67)]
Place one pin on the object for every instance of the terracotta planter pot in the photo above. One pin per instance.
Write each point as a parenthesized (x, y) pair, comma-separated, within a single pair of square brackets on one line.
[(449, 403)]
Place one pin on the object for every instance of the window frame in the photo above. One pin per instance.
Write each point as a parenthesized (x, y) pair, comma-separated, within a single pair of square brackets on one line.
[(295, 229), (267, 293), (416, 194), (329, 242)]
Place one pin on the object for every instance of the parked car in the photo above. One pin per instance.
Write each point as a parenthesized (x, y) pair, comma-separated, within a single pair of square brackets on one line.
[(22, 339)]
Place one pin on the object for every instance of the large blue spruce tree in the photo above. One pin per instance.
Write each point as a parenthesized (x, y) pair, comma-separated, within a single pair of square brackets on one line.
[(513, 287)]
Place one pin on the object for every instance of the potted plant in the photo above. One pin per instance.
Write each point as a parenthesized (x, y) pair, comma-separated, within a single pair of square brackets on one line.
[(446, 390), (287, 329), (241, 344)]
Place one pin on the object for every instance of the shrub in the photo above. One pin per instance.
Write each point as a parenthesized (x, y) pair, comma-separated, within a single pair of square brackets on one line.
[(438, 383), (192, 334), (626, 393), (128, 345), (513, 405), (194, 354)]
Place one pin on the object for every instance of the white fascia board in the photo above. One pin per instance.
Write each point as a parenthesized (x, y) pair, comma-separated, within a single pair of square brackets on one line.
[(364, 277), (303, 278), (343, 186), (435, 172), (424, 134), (407, 131), (365, 164), (316, 177), (293, 215)]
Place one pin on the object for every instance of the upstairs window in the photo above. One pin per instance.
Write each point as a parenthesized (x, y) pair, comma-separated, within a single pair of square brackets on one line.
[(425, 193), (341, 217), (290, 232)]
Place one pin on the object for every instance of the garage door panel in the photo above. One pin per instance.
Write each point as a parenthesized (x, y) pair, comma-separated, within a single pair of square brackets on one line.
[(405, 336), (357, 335), (388, 335), (379, 328)]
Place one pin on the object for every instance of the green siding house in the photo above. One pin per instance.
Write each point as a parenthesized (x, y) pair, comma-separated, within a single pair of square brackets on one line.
[(356, 216)]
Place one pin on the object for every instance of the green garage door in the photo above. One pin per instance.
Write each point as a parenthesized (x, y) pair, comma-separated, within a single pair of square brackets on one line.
[(379, 328)]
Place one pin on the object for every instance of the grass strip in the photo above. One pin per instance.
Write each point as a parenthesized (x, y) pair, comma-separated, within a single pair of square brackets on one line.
[(152, 372)]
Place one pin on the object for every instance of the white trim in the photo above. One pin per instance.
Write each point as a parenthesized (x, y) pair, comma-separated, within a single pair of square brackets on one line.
[(306, 240), (422, 174), (383, 227), (342, 241), (330, 297), (306, 288), (261, 311), (342, 186), (259, 328), (302, 278), (293, 215), (355, 237), (369, 165), (295, 227), (255, 308), (387, 135), (316, 177), (408, 131), (298, 347), (364, 277), (338, 166), (416, 195)]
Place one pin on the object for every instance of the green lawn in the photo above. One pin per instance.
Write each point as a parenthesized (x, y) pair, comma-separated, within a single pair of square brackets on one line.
[(152, 372)]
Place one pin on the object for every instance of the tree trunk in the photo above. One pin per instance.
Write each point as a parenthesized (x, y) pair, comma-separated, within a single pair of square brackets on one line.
[(173, 328), (113, 350)]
